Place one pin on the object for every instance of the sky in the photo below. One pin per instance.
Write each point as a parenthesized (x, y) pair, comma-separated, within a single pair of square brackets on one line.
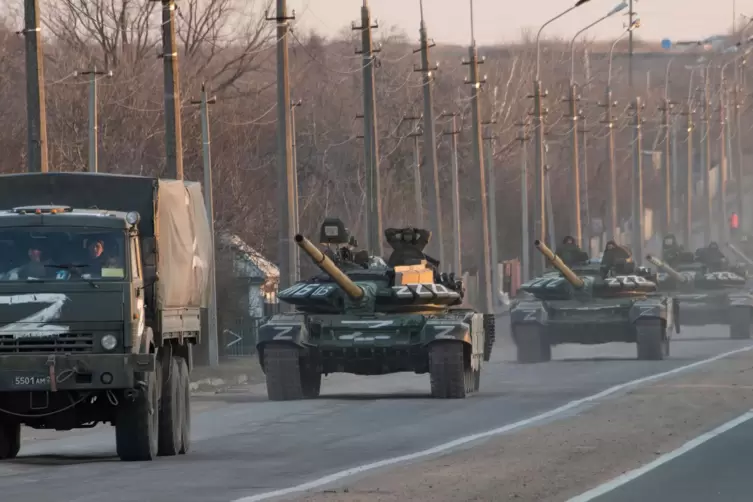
[(497, 21)]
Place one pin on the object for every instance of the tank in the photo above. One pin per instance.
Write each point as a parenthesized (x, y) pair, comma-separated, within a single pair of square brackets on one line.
[(367, 316), (719, 297), (591, 304)]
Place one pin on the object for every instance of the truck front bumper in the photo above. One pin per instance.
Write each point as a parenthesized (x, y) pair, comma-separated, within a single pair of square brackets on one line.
[(53, 372)]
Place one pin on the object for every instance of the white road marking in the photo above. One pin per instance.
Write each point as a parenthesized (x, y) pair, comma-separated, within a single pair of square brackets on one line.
[(640, 471), (445, 447)]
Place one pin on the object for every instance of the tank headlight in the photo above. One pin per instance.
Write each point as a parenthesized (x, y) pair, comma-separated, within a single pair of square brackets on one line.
[(109, 342), (133, 217)]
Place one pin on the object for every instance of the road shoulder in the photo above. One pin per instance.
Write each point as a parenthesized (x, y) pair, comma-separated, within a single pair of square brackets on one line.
[(561, 459)]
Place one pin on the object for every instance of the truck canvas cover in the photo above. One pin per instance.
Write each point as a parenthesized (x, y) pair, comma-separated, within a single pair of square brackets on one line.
[(172, 211)]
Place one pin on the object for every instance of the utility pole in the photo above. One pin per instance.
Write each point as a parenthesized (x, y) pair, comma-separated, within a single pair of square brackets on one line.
[(675, 179), (575, 222), (94, 116), (296, 213), (586, 215), (434, 201), (204, 102), (455, 180), (491, 194), (723, 163), (611, 225), (173, 132), (631, 14), (36, 112), (475, 81), (525, 253), (371, 140), (666, 110), (706, 157), (539, 206), (417, 192), (688, 210), (738, 140), (637, 190), (286, 189)]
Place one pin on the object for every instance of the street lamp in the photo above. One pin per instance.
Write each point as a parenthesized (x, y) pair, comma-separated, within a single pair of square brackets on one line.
[(575, 187), (538, 35), (540, 204), (634, 26), (618, 8)]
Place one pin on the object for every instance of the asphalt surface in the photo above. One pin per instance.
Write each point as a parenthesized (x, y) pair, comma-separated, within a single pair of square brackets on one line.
[(245, 445), (717, 470)]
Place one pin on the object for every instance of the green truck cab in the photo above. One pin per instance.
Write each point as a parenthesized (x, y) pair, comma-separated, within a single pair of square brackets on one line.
[(102, 281)]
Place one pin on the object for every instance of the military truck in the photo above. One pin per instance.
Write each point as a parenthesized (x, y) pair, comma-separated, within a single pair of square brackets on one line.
[(592, 306), (365, 316), (718, 297), (102, 278)]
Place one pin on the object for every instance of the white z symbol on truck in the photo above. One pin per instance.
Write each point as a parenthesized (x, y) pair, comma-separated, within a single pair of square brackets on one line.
[(35, 325)]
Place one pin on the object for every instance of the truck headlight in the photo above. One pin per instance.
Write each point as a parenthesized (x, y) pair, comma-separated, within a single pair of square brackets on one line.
[(109, 342)]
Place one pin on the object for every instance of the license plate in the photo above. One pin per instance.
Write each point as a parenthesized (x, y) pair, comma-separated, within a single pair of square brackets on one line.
[(22, 380)]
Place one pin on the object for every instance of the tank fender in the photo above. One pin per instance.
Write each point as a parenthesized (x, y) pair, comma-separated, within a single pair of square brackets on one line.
[(528, 312), (653, 308), (283, 328), (742, 299), (446, 329), (468, 331)]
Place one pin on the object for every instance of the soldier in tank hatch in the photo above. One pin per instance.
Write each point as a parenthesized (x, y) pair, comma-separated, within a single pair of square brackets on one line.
[(617, 258), (712, 257), (570, 253)]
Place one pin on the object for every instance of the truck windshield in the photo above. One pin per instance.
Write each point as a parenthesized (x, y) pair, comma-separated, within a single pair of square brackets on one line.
[(44, 253)]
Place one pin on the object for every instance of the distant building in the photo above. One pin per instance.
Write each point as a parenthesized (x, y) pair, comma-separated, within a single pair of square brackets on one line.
[(255, 278)]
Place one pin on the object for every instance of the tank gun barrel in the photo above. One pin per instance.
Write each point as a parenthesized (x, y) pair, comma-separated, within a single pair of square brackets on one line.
[(328, 266), (659, 263), (739, 253), (557, 263)]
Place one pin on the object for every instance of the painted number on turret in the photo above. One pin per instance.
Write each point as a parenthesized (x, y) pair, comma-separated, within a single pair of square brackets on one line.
[(626, 280), (722, 276), (424, 291), (304, 290)]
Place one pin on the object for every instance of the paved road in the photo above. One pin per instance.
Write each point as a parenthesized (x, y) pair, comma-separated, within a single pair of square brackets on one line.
[(719, 469), (244, 445)]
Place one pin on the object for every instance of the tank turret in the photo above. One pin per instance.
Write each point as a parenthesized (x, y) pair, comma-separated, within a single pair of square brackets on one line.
[(557, 263), (669, 270), (328, 266)]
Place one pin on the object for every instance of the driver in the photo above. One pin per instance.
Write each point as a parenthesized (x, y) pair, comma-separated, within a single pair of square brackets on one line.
[(618, 258)]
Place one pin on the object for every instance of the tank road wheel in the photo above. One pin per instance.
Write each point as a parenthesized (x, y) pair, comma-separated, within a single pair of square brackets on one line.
[(311, 380), (448, 374), (282, 365), (184, 386), (137, 422), (489, 335), (10, 440), (532, 344), (739, 325), (652, 341), (170, 412)]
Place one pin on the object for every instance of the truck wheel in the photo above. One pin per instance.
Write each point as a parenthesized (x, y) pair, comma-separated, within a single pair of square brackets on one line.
[(449, 377), (137, 422), (311, 381), (185, 391), (739, 326), (170, 411), (10, 440), (532, 345), (652, 341), (282, 365)]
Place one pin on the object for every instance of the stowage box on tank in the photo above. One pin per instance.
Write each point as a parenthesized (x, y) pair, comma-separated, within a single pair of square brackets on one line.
[(367, 317), (587, 306)]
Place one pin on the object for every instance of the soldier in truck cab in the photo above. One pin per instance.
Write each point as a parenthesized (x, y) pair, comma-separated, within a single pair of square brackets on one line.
[(34, 267)]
